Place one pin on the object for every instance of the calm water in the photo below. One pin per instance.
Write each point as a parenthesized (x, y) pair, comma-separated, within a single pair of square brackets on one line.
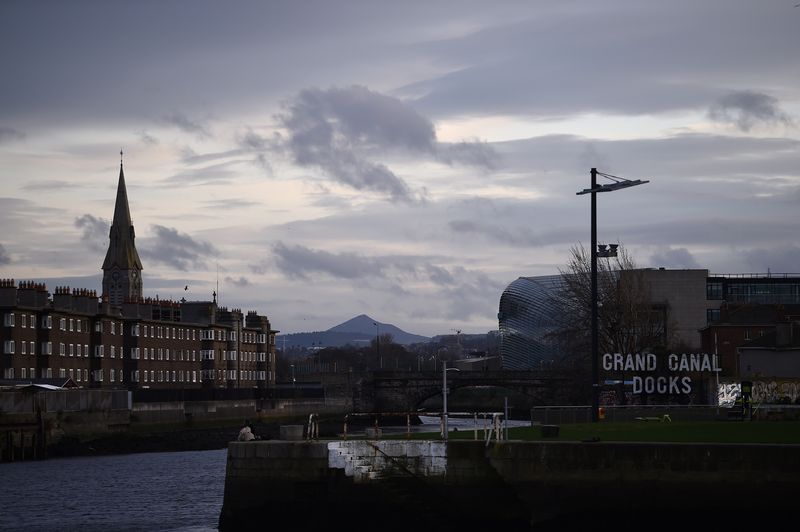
[(153, 491)]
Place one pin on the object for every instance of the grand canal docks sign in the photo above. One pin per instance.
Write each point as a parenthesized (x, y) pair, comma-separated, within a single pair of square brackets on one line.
[(668, 376)]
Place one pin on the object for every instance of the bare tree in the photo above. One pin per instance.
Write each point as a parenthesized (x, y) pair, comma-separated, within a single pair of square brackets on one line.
[(628, 321)]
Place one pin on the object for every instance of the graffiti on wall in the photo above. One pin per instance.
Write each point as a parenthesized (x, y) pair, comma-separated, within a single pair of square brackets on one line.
[(767, 392), (775, 391), (727, 393)]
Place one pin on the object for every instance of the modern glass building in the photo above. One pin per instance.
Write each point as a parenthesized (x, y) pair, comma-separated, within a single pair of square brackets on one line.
[(526, 318)]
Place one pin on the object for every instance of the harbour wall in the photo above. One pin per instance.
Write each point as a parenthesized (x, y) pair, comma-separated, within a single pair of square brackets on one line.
[(514, 485)]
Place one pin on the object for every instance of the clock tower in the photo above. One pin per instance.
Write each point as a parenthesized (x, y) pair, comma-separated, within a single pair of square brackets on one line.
[(122, 268)]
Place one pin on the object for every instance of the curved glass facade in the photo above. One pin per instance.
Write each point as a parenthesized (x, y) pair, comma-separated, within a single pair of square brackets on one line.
[(526, 317)]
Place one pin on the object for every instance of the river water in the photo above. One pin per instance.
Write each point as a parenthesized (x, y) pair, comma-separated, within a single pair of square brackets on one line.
[(178, 492)]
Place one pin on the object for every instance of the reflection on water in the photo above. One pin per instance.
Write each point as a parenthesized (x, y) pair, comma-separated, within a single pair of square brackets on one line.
[(153, 491)]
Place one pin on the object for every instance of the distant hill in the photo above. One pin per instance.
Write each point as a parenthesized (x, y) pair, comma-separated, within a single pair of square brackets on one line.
[(360, 330)]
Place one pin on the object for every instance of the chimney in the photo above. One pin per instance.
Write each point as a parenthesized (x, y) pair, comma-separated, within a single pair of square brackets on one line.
[(8, 293), (63, 299)]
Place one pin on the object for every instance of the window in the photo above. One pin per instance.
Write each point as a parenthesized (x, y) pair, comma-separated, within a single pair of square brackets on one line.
[(113, 353), (135, 329), (62, 324), (167, 353), (134, 353), (111, 375), (98, 327), (78, 377), (33, 348), (194, 376), (747, 334), (712, 315), (713, 290), (47, 322), (79, 325), (62, 349), (8, 319), (193, 334), (71, 324), (62, 373), (47, 348), (24, 373), (24, 320), (78, 350), (85, 350), (23, 348), (99, 351), (72, 350), (113, 328), (8, 347), (33, 322), (8, 373)]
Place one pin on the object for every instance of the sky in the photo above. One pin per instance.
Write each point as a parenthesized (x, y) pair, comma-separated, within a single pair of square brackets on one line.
[(317, 160)]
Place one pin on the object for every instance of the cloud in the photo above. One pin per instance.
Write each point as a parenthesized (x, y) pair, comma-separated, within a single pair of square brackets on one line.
[(300, 262), (9, 134), (147, 138), (240, 282), (187, 125), (5, 258), (95, 231), (175, 249), (747, 109), (778, 259), (48, 184), (674, 258), (251, 141), (339, 130)]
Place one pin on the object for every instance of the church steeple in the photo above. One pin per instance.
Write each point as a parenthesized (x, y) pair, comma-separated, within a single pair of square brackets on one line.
[(122, 266)]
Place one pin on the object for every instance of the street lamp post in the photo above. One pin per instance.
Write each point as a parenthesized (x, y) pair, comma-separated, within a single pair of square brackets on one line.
[(377, 345), (616, 184), (445, 369)]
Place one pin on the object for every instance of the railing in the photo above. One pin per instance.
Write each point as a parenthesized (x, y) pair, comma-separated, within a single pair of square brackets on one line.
[(496, 428)]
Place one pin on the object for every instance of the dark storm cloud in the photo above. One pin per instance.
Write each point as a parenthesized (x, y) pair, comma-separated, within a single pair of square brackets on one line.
[(746, 109), (8, 134), (176, 249), (95, 231), (5, 258), (339, 130), (674, 258), (187, 125)]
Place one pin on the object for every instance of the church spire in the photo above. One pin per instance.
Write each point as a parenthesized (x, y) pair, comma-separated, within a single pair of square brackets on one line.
[(122, 266)]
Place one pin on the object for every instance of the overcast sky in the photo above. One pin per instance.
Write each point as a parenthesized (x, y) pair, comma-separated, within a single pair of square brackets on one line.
[(407, 160)]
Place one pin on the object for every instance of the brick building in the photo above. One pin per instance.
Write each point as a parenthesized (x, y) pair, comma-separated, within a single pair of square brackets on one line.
[(125, 340)]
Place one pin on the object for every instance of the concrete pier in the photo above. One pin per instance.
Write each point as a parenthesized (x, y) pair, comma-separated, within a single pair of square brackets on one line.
[(392, 485)]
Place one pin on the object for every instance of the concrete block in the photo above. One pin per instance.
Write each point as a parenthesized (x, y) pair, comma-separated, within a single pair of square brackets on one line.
[(291, 432)]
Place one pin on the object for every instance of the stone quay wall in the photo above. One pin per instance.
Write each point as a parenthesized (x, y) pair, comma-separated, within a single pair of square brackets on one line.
[(514, 485)]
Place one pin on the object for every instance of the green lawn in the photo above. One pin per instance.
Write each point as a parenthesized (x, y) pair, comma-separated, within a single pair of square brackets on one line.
[(719, 431)]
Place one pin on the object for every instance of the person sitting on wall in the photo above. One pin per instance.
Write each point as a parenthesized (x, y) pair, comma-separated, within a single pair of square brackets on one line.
[(246, 434)]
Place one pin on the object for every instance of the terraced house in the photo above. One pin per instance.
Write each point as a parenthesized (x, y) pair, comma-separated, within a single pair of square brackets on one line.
[(125, 340)]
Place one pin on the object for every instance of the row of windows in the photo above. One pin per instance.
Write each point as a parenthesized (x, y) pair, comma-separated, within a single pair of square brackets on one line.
[(147, 331), (79, 375)]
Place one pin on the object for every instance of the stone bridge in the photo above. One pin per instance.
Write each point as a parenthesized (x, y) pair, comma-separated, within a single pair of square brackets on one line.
[(403, 391)]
